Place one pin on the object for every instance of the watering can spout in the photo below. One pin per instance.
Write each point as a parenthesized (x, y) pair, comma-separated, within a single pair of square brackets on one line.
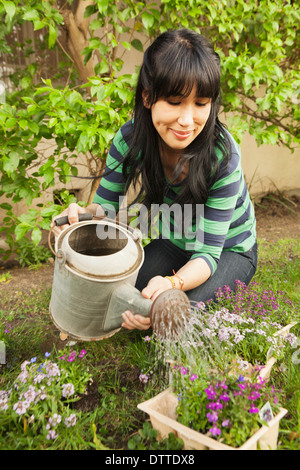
[(169, 313), (125, 297)]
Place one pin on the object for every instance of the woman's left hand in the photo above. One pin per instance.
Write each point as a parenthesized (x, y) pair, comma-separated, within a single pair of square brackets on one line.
[(155, 286), (135, 322)]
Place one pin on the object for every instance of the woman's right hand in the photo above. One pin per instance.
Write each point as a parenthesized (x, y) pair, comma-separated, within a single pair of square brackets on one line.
[(72, 213)]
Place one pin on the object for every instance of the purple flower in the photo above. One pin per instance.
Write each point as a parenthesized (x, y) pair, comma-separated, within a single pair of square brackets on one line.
[(143, 378), (183, 370), (70, 420), (225, 423), (193, 377), (214, 406), (210, 392), (212, 417), (82, 353), (253, 395), (215, 431), (224, 397), (72, 356), (242, 386), (253, 409)]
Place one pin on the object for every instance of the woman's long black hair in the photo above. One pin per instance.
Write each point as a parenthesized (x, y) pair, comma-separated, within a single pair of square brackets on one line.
[(175, 62)]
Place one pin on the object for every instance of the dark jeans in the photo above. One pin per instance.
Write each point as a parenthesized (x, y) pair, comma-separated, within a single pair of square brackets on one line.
[(162, 256)]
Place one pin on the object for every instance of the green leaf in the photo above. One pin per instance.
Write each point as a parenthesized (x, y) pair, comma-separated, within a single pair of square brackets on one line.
[(38, 24), (52, 36), (136, 43), (126, 45), (21, 230), (31, 15), (147, 19), (11, 162), (10, 8), (48, 175), (23, 123), (36, 236), (10, 122)]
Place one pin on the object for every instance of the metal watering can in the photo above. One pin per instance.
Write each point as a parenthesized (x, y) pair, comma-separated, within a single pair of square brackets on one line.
[(96, 266)]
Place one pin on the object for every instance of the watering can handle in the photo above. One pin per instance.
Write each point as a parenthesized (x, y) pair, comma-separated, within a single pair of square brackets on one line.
[(64, 220)]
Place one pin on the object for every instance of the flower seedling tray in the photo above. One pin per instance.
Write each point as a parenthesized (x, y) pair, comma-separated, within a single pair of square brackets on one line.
[(162, 412)]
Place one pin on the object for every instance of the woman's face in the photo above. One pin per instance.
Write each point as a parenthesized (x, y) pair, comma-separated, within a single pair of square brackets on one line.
[(179, 120)]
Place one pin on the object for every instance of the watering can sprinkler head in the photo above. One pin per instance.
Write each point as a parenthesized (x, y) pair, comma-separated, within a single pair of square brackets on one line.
[(170, 315)]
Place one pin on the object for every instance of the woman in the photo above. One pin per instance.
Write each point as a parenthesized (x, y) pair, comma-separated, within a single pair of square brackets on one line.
[(181, 154)]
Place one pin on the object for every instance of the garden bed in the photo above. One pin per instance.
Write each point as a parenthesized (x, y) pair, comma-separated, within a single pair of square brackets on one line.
[(110, 402)]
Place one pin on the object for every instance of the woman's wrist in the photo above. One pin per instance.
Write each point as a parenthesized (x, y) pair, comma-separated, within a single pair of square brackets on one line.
[(176, 281)]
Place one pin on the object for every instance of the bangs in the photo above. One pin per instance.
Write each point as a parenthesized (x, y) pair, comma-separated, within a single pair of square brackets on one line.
[(183, 68)]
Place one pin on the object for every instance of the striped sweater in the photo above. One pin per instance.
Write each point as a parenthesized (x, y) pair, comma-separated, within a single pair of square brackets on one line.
[(225, 222)]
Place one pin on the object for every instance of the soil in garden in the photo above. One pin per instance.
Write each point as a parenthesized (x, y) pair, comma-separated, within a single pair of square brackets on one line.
[(275, 220)]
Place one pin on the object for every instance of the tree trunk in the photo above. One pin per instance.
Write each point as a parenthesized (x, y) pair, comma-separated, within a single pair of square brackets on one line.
[(77, 39)]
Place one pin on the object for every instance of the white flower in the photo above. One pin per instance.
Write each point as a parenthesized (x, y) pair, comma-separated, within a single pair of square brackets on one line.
[(23, 376), (52, 435), (243, 364), (30, 394), (52, 369), (21, 407), (68, 390), (70, 420), (24, 365), (238, 337), (224, 334), (292, 339), (261, 332), (53, 421), (39, 377)]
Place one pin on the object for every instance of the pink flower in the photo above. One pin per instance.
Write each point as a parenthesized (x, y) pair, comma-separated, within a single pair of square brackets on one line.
[(193, 377), (253, 409), (143, 378), (72, 356), (253, 395), (225, 423), (82, 353), (224, 397), (212, 417), (215, 431)]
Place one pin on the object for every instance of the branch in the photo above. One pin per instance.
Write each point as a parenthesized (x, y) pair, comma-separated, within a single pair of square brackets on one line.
[(77, 41), (261, 115)]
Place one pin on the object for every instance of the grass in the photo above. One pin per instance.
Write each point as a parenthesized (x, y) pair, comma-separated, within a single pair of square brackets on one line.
[(112, 420)]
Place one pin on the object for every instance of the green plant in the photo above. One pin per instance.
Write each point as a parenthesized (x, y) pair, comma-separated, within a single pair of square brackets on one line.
[(38, 404), (146, 439), (81, 105), (229, 409)]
